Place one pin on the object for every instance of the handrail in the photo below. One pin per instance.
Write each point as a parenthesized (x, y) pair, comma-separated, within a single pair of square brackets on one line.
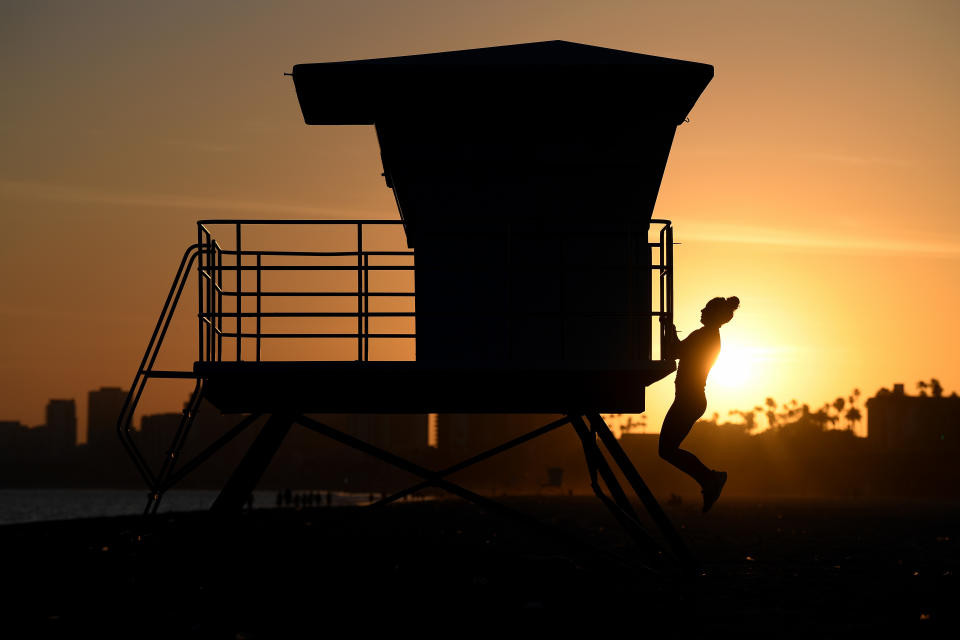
[(307, 221), (212, 268), (149, 358), (165, 478), (665, 266), (208, 253)]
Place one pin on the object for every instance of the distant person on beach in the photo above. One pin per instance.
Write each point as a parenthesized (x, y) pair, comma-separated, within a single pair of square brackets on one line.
[(696, 354)]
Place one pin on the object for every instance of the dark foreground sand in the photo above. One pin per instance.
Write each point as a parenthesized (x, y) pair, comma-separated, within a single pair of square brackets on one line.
[(787, 568)]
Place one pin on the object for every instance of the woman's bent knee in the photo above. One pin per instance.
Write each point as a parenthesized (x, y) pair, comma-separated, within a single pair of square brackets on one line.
[(667, 451)]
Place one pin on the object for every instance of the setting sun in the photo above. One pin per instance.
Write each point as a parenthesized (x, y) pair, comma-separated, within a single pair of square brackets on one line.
[(734, 367)]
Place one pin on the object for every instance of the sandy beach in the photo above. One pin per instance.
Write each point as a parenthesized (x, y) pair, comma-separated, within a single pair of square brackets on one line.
[(785, 568)]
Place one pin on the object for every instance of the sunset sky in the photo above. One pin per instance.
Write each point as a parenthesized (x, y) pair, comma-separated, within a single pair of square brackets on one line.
[(817, 178)]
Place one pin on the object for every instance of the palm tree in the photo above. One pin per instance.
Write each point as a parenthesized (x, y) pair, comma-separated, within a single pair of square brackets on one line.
[(771, 412), (839, 404), (825, 411), (749, 418), (936, 389), (853, 417), (853, 409), (633, 427)]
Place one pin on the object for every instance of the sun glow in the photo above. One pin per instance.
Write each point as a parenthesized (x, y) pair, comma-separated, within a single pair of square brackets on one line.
[(734, 368), (745, 373)]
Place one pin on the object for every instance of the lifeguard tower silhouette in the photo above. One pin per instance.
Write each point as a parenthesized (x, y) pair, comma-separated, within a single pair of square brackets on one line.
[(525, 177)]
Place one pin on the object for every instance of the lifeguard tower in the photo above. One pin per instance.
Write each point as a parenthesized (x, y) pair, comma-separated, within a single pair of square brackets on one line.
[(525, 177)]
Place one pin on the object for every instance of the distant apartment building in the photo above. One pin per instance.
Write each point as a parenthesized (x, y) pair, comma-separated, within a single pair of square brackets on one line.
[(103, 411), (12, 435), (405, 432), (477, 432), (896, 420), (62, 424), (395, 432), (53, 440)]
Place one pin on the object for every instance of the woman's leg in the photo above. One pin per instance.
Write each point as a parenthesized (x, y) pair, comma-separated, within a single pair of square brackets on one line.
[(676, 425)]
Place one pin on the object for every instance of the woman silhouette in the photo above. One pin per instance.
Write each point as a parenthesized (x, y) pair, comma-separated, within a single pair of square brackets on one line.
[(697, 354)]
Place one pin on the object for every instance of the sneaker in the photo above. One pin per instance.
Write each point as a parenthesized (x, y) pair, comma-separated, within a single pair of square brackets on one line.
[(712, 492)]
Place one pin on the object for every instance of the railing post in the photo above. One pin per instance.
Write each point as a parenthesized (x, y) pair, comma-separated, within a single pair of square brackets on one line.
[(258, 305), (239, 293), (360, 272), (219, 349), (211, 293), (630, 264), (199, 292), (366, 307), (662, 302), (670, 272)]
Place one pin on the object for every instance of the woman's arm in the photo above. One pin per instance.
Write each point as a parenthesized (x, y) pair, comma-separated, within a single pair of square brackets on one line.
[(680, 349), (675, 346)]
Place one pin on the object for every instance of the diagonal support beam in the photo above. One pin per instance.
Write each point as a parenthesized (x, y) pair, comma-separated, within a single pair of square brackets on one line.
[(171, 455), (457, 490), (639, 487), (204, 455), (480, 457), (619, 505), (248, 473), (399, 462), (599, 464)]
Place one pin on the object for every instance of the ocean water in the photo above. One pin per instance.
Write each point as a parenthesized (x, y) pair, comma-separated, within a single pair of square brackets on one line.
[(34, 505)]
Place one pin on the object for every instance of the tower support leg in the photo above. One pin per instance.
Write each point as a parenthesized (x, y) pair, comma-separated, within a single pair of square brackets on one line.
[(619, 505), (639, 487), (248, 473), (173, 453)]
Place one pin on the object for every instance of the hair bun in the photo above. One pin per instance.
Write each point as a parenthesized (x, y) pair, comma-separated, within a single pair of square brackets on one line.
[(733, 302)]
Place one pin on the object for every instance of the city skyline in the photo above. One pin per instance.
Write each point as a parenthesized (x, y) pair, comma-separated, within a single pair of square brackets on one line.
[(63, 411), (773, 462)]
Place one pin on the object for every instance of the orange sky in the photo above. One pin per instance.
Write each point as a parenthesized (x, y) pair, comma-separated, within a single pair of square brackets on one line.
[(816, 179)]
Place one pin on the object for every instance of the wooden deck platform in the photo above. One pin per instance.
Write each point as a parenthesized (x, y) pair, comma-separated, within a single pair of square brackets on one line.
[(416, 387)]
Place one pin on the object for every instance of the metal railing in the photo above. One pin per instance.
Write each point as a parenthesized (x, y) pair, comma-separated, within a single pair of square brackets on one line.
[(215, 261), (241, 260), (665, 267), (209, 255)]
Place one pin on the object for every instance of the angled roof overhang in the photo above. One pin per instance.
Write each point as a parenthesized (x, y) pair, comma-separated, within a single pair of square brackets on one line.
[(553, 80)]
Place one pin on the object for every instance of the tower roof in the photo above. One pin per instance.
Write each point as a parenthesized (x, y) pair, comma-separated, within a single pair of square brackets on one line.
[(547, 80)]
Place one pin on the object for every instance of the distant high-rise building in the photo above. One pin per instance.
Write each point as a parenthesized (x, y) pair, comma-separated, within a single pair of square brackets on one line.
[(12, 435), (395, 432), (103, 411), (900, 421), (404, 432), (476, 432), (62, 424)]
